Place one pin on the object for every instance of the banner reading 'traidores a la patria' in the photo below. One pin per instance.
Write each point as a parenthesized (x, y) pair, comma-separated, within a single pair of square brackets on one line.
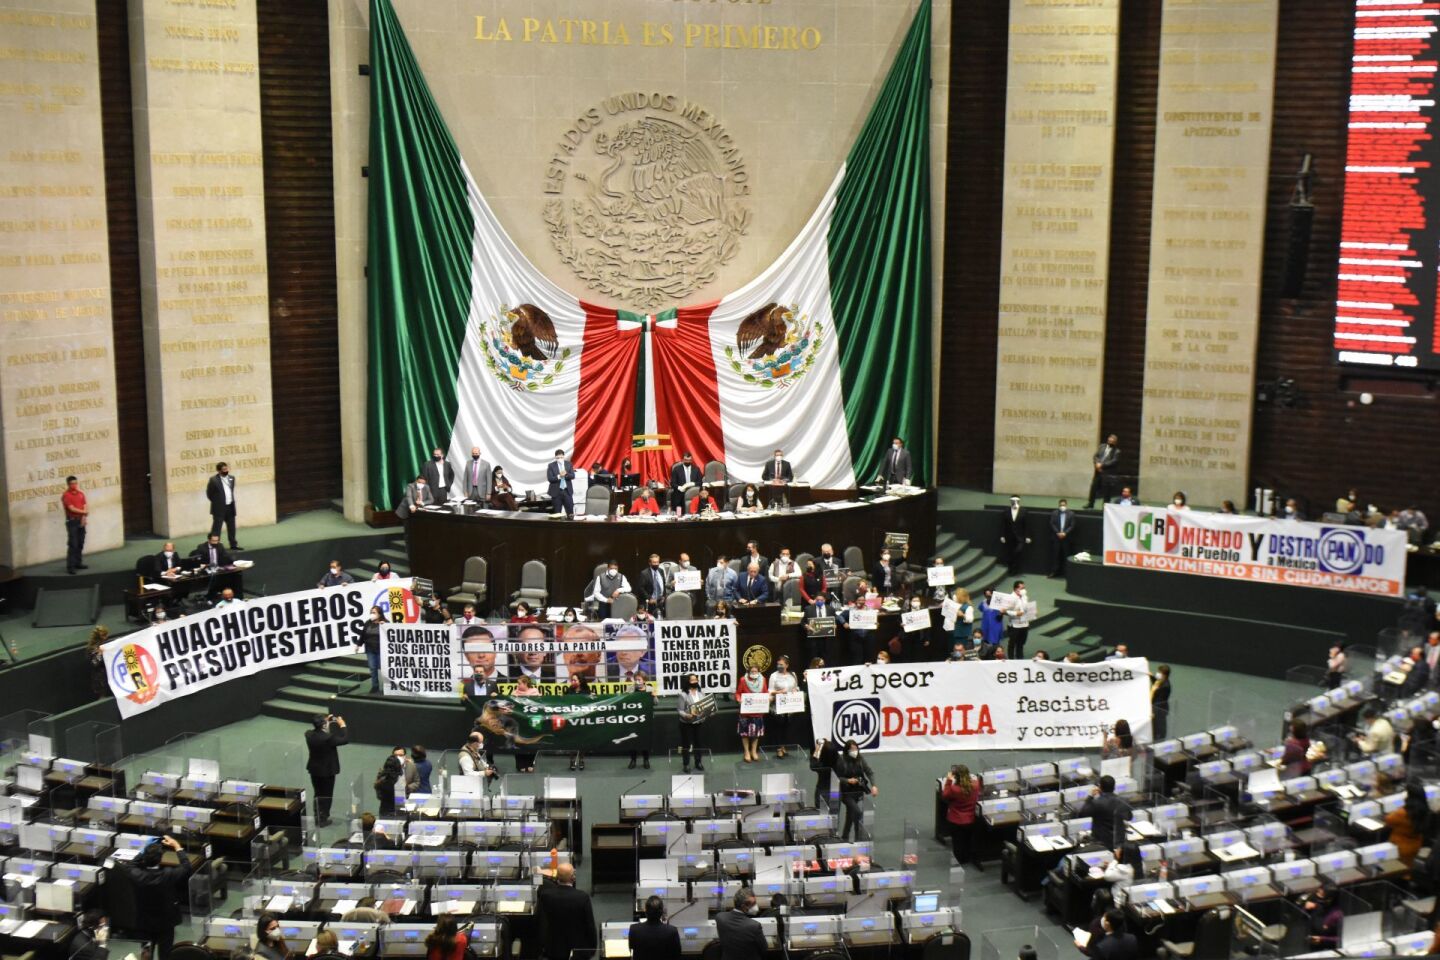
[(180, 657), (1261, 549)]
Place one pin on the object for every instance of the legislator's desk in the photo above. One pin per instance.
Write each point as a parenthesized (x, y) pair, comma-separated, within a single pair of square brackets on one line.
[(440, 541), (179, 587)]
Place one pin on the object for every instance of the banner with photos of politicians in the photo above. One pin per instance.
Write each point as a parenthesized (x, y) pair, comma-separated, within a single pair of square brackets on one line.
[(1259, 549), (979, 705), (614, 657), (179, 657)]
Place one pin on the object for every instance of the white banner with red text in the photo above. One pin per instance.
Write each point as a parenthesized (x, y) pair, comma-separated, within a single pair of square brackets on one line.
[(1258, 549), (980, 704), (165, 662)]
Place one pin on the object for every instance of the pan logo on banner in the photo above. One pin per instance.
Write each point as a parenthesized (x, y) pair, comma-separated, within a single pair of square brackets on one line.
[(978, 706), (1355, 559), (705, 648)]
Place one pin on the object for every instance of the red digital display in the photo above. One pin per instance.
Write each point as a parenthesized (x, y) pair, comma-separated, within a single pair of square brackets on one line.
[(1385, 309)]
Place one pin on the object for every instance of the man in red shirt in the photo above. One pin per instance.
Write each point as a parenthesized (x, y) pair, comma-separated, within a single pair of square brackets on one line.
[(77, 515)]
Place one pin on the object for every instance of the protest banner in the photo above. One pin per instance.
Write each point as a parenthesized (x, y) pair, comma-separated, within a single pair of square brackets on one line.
[(980, 705), (179, 657), (1257, 549), (702, 647), (418, 660), (620, 722)]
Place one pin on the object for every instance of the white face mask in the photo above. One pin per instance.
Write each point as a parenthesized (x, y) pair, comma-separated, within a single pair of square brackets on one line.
[(853, 753), (273, 935), (335, 570), (753, 909), (1179, 502), (754, 674)]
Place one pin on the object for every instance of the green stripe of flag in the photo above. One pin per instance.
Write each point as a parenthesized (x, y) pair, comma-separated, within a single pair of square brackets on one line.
[(880, 266), (421, 232)]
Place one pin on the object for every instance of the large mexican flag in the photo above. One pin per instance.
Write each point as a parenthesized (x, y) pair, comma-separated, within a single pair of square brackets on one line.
[(825, 355)]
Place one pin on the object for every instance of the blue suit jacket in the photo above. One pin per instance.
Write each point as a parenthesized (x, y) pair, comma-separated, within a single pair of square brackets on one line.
[(747, 589)]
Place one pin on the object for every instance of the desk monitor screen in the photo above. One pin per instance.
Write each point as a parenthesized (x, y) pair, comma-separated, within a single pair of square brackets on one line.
[(927, 901)]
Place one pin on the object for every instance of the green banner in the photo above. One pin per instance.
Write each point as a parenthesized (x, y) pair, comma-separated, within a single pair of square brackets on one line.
[(614, 724)]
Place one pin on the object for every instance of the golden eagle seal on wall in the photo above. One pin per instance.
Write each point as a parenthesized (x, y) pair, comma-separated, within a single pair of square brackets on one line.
[(521, 349), (532, 333), (774, 347), (652, 215)]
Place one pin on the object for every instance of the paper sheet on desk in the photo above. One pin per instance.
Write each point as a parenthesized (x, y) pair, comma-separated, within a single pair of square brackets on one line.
[(1143, 828), (1237, 851), (617, 948), (31, 928), (343, 907), (156, 586), (1369, 823), (281, 904)]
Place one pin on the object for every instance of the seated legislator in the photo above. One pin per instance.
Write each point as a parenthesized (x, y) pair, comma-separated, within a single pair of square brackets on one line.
[(502, 495), (702, 505), (645, 503), (749, 501), (682, 475), (168, 560), (751, 589), (335, 576), (211, 553)]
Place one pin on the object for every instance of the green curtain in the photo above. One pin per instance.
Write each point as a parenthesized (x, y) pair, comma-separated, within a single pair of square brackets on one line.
[(880, 266), (421, 233)]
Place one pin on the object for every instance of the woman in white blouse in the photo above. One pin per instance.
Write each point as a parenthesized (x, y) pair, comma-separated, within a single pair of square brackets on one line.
[(782, 681)]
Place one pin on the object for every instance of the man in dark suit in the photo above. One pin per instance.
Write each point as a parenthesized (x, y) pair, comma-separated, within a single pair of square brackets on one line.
[(751, 587), (439, 474), (1126, 498), (683, 474), (1117, 943), (1108, 814), (560, 475), (220, 491), (740, 934), (650, 586), (155, 888), (211, 553), (896, 468), (566, 917), (654, 939), (475, 482), (1107, 456), (1012, 534), (323, 742), (1062, 524), (1417, 678), (168, 558), (777, 469), (417, 495)]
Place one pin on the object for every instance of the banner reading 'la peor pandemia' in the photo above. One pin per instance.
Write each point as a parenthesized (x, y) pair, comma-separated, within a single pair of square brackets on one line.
[(180, 657), (1258, 549)]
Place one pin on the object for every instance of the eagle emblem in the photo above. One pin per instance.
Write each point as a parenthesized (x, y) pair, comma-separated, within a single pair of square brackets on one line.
[(775, 346), (652, 214), (522, 350)]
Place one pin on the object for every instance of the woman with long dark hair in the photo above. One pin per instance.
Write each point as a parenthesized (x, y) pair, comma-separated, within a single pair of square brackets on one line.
[(961, 794), (1120, 743), (269, 941), (502, 495), (1410, 824), (446, 942)]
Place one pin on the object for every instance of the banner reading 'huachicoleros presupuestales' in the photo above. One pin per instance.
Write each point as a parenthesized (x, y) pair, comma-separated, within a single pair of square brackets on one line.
[(180, 657), (1261, 549)]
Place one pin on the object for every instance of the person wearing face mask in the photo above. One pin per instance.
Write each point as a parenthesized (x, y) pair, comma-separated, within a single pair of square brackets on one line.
[(1062, 525), (384, 573), (1292, 510), (885, 578), (782, 680), (610, 584), (645, 504), (1012, 534), (220, 491), (335, 576), (569, 616), (782, 569), (438, 474), (822, 763), (560, 475), (856, 780), (370, 643), (1178, 502), (694, 709), (434, 611), (1020, 613), (651, 586), (749, 501), (719, 583), (269, 941), (740, 934), (418, 494), (155, 888), (918, 643), (475, 482), (502, 494), (828, 563), (751, 726), (91, 936)]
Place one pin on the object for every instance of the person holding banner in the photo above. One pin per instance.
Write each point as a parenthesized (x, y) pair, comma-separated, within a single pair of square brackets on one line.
[(753, 694), (525, 760), (782, 681), (856, 779), (694, 709)]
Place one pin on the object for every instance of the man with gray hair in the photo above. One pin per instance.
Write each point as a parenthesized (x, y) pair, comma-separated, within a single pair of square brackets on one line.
[(739, 933)]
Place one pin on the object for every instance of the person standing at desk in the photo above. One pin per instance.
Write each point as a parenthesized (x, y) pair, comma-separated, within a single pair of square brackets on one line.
[(856, 779), (155, 888), (477, 477), (896, 469), (1108, 814), (740, 934), (606, 587), (439, 475), (778, 473), (961, 793), (324, 742), (567, 918), (220, 491), (654, 939), (683, 475), (752, 589), (719, 583), (1117, 943), (560, 475)]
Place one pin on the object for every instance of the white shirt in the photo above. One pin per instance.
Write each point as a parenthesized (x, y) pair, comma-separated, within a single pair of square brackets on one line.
[(228, 483)]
